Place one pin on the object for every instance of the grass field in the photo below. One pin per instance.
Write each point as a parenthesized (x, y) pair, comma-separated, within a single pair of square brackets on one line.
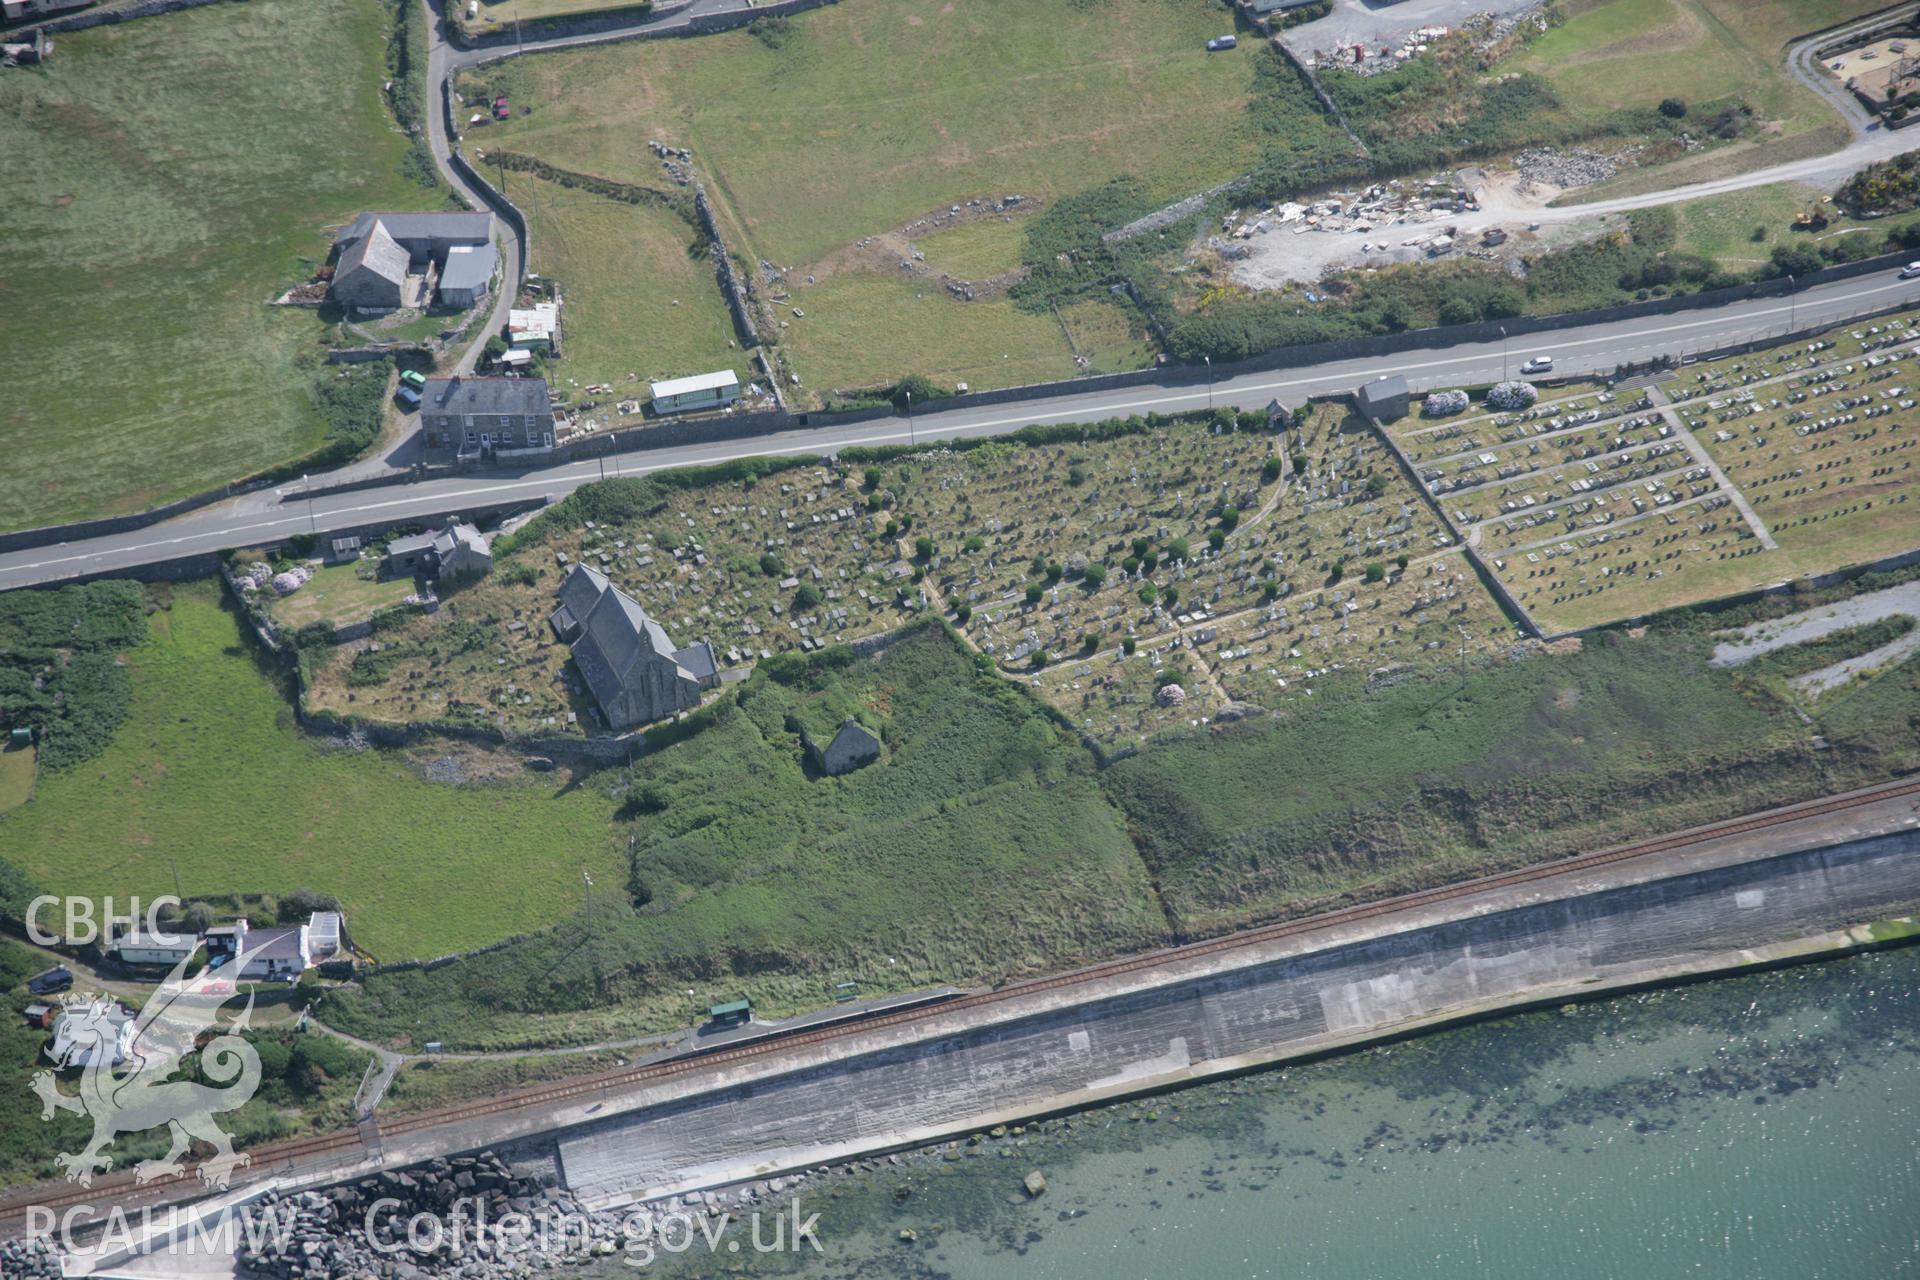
[(16, 776), (1633, 53), (638, 300), (978, 847), (339, 593), (975, 250), (165, 184), (870, 115), (1721, 227), (865, 329), (208, 777)]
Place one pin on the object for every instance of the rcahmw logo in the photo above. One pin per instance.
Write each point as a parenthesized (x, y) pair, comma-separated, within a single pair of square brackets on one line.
[(126, 1063)]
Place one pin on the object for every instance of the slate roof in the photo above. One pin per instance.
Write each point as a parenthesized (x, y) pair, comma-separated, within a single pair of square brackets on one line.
[(616, 634), (488, 395), (458, 228), (414, 545), (469, 267), (378, 252), (697, 660), (460, 534)]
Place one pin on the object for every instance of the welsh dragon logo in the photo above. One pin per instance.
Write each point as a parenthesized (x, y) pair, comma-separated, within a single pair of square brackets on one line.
[(127, 1064)]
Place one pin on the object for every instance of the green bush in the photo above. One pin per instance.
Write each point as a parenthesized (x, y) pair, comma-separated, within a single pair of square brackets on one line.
[(58, 668)]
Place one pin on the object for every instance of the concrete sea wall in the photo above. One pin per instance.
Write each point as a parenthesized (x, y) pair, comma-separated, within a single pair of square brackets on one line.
[(1717, 918)]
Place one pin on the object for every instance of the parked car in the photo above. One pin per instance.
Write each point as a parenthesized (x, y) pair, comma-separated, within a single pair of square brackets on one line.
[(409, 398), (1218, 43), (58, 978), (414, 378), (1909, 271), (1538, 364)]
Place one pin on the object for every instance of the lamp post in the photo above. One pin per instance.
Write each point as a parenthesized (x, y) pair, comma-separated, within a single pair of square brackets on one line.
[(1792, 302), (912, 440), (306, 483), (1503, 353), (1209, 360)]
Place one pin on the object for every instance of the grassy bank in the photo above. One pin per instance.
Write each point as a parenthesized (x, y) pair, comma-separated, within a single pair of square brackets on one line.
[(164, 185), (978, 846), (209, 779), (1433, 781)]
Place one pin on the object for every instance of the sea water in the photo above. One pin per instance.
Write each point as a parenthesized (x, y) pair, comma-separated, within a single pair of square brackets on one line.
[(1745, 1128)]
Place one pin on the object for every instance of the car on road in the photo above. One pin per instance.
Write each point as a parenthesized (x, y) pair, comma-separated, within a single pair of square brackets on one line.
[(1909, 271), (1218, 43), (58, 978), (1538, 364)]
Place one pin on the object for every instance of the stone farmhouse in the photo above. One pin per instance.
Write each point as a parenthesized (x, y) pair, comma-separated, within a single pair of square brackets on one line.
[(390, 260), (633, 670)]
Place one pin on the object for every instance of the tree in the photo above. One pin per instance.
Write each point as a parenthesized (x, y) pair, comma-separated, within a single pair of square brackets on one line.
[(1039, 659), (1401, 560), (962, 613), (1076, 475), (1338, 572), (1140, 548), (1035, 592), (873, 477), (923, 547), (1148, 593), (1269, 589), (1673, 108), (1376, 484), (974, 543), (1229, 518), (1171, 596), (1095, 576), (770, 565), (807, 597), (1269, 471), (1150, 561), (1090, 641), (1376, 572), (1177, 549), (1216, 538), (1299, 461), (1128, 645)]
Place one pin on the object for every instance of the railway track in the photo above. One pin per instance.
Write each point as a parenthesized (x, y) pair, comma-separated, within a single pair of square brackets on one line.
[(284, 1157)]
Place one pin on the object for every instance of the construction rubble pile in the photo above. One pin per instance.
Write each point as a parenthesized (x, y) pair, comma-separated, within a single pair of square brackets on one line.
[(1356, 57), (1575, 167), (1383, 205)]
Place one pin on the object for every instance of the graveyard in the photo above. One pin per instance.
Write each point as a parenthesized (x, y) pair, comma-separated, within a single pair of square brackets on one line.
[(1237, 561), (1716, 479)]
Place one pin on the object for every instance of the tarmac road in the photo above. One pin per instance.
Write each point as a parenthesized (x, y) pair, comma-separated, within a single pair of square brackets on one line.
[(1593, 348)]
